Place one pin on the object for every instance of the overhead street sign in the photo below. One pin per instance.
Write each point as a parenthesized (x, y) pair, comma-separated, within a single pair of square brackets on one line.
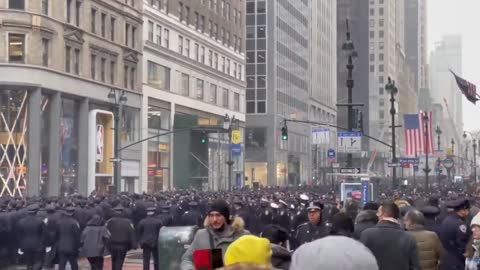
[(331, 154), (349, 142), (414, 161), (350, 170), (391, 165)]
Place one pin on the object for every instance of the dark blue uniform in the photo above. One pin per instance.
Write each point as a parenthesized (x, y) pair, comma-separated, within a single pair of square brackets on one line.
[(454, 234)]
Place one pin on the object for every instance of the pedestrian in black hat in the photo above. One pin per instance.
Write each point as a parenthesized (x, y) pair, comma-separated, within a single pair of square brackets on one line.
[(31, 235), (122, 237), (314, 229), (147, 231), (219, 232), (455, 233), (68, 240)]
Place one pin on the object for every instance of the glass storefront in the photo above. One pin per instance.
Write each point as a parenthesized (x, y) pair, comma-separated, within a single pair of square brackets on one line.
[(68, 147), (256, 174), (158, 149), (13, 142)]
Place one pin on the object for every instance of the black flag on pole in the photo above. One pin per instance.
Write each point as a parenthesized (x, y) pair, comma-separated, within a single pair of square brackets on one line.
[(468, 89)]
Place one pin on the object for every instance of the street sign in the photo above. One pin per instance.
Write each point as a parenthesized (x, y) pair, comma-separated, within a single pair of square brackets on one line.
[(448, 163), (331, 154), (349, 142), (414, 161), (236, 149), (236, 136), (350, 170), (320, 135), (391, 165), (335, 165), (365, 183)]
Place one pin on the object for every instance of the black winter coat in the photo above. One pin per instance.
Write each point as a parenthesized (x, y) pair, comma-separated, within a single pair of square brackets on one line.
[(365, 219), (308, 232), (68, 235), (94, 238), (281, 257), (31, 234), (121, 232), (147, 231), (394, 248)]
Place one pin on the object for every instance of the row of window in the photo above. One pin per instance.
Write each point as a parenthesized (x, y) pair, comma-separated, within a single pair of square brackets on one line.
[(212, 28), (103, 24), (101, 66), (212, 58), (224, 10), (159, 77), (162, 5)]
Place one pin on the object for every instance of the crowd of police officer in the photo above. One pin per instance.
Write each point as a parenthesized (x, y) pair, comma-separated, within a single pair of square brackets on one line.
[(42, 232)]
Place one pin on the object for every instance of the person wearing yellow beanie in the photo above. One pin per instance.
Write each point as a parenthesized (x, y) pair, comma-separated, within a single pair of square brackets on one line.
[(249, 249)]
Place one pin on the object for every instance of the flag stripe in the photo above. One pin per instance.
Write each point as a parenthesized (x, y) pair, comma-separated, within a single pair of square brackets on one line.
[(417, 143)]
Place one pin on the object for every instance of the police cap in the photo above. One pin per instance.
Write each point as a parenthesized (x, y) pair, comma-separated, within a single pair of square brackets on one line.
[(315, 206), (33, 208), (458, 204), (430, 211)]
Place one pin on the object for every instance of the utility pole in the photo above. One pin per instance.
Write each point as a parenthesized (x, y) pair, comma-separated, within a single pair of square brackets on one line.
[(475, 160), (349, 49), (427, 148), (439, 132), (393, 90)]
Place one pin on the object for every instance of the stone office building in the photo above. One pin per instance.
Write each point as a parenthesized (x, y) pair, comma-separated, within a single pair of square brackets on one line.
[(194, 61), (58, 62)]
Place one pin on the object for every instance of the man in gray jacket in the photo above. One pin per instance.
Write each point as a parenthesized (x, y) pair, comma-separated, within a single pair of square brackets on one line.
[(219, 233)]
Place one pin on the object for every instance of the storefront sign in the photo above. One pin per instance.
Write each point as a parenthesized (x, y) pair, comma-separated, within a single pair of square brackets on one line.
[(99, 144)]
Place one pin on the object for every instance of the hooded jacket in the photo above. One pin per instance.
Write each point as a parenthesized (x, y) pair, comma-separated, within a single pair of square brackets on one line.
[(281, 257), (333, 253), (365, 219), (221, 240), (94, 237)]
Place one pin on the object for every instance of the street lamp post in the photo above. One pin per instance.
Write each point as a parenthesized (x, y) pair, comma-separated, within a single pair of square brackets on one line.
[(229, 124), (349, 49), (452, 142), (119, 98), (427, 143), (474, 160), (393, 90), (465, 157), (438, 131)]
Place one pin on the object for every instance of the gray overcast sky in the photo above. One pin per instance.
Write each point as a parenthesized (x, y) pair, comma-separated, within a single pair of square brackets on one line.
[(459, 17)]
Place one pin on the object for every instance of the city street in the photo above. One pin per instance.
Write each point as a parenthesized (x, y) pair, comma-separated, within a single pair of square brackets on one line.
[(132, 262)]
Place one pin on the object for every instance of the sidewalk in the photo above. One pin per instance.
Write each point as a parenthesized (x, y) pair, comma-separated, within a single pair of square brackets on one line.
[(133, 261)]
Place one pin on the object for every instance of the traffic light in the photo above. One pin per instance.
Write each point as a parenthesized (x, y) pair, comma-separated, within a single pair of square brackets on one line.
[(360, 121), (358, 116), (284, 133), (204, 137)]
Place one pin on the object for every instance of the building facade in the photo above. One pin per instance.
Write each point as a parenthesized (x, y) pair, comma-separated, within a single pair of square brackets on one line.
[(278, 75), (447, 56), (323, 87), (59, 60), (416, 40), (194, 62)]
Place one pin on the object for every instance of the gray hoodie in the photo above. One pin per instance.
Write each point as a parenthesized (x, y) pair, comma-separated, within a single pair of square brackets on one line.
[(333, 253)]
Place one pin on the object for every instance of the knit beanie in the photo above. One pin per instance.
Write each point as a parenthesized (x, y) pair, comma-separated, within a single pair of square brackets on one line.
[(221, 207), (333, 253), (475, 220), (249, 249)]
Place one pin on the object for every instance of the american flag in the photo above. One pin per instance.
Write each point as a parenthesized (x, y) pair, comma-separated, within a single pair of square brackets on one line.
[(415, 141)]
